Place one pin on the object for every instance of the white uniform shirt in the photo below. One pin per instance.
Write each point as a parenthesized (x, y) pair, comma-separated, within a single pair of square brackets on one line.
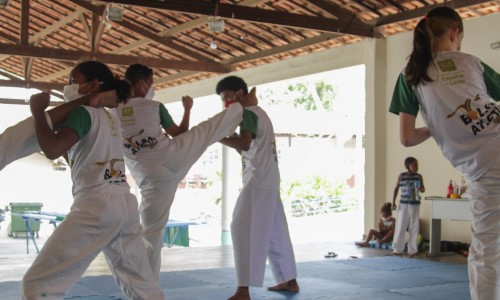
[(260, 162), (457, 110), (144, 142), (96, 160)]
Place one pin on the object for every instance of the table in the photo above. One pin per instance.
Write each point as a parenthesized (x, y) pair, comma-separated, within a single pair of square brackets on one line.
[(28, 217), (177, 232), (445, 209)]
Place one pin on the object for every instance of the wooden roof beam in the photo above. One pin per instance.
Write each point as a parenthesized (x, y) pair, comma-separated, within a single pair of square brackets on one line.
[(337, 11), (25, 17), (24, 102), (251, 14), (52, 53), (43, 86), (420, 12), (167, 42), (177, 29), (55, 26), (261, 54)]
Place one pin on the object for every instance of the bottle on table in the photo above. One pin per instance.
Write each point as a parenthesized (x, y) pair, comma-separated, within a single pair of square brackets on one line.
[(450, 189)]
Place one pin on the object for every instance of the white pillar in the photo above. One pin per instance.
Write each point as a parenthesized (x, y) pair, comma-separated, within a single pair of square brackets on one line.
[(231, 182)]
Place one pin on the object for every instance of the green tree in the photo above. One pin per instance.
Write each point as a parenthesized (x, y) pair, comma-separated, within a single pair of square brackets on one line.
[(307, 95)]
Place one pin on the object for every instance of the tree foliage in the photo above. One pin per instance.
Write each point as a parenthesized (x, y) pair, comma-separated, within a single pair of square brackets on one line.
[(307, 95)]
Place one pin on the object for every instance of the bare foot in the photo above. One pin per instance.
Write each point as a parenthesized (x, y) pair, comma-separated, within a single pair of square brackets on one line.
[(362, 244), (290, 286), (412, 255), (241, 293)]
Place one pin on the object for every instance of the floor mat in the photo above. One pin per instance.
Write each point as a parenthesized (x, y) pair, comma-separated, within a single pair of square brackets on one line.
[(372, 278)]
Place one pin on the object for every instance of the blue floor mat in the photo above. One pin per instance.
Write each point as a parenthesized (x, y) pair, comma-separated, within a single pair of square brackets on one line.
[(384, 278)]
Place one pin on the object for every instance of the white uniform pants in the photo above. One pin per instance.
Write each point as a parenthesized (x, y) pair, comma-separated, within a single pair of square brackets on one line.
[(18, 141), (484, 252), (159, 187), (259, 231), (107, 221), (408, 219)]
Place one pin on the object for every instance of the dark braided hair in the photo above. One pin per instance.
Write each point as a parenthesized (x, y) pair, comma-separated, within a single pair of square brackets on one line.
[(99, 71)]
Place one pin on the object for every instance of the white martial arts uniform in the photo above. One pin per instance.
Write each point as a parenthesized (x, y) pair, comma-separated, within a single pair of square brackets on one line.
[(464, 123), (408, 214), (159, 163), (104, 217), (259, 228), (18, 141)]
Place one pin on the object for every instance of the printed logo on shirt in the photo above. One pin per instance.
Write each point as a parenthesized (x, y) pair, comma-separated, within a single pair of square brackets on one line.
[(112, 174), (450, 74), (136, 146), (127, 111), (477, 118), (447, 65)]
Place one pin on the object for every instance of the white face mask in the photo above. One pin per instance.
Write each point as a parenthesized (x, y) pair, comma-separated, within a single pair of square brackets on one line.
[(151, 93), (71, 92)]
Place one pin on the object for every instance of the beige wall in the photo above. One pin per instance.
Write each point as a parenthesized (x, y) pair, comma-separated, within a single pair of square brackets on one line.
[(384, 59)]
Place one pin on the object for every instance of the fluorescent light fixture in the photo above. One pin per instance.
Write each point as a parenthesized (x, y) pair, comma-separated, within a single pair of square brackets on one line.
[(215, 24), (4, 3), (114, 13)]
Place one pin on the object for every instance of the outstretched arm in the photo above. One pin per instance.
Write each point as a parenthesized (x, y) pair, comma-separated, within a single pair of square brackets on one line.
[(60, 113), (240, 142), (52, 144), (175, 129), (408, 134), (422, 186), (395, 193)]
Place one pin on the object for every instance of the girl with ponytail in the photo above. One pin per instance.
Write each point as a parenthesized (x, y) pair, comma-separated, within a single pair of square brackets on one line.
[(453, 92)]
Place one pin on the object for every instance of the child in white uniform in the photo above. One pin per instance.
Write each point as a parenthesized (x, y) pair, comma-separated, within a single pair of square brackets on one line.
[(104, 215), (453, 91), (158, 163), (259, 229), (411, 184)]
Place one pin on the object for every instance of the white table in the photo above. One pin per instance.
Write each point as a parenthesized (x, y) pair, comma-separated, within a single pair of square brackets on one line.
[(445, 209)]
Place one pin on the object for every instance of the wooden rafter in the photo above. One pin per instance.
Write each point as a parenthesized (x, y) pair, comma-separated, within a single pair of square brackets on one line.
[(97, 31), (256, 32), (24, 101), (337, 11), (177, 29), (261, 54), (32, 84), (141, 31), (24, 36), (52, 53), (257, 15), (420, 12), (25, 17)]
